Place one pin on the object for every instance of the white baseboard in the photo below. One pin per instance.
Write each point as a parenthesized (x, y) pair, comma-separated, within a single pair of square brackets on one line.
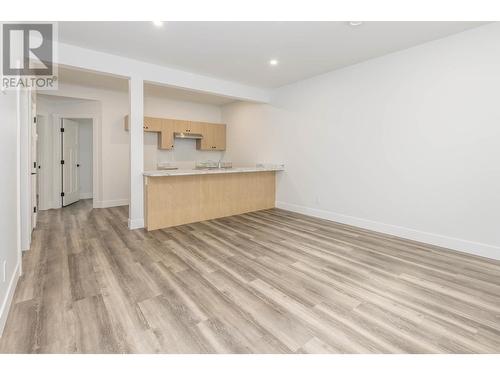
[(86, 195), (136, 223), (5, 307), (465, 246), (110, 203)]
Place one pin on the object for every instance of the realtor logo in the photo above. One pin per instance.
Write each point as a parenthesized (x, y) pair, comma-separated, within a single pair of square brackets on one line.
[(28, 52)]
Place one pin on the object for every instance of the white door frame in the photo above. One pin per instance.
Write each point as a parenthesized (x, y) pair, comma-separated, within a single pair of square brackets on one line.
[(25, 118), (56, 165), (33, 159), (44, 165)]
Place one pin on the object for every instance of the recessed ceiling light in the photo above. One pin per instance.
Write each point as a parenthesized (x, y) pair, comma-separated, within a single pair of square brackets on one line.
[(273, 62), (158, 23), (355, 23)]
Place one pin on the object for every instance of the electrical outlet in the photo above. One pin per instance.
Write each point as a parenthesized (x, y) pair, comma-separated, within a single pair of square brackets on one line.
[(4, 271)]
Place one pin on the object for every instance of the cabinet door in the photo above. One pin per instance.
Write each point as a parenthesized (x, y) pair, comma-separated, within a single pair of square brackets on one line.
[(207, 142), (183, 126), (214, 137), (166, 135), (195, 127), (152, 124), (219, 137)]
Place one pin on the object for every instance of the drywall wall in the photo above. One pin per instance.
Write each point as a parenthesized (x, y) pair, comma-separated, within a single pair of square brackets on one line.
[(184, 149), (51, 109), (112, 185), (74, 56), (85, 157), (25, 182), (10, 253), (406, 144)]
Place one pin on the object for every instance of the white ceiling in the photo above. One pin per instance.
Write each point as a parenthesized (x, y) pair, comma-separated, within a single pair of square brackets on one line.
[(240, 51)]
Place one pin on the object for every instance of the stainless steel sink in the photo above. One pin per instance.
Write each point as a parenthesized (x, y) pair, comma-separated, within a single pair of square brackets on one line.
[(212, 168), (214, 165)]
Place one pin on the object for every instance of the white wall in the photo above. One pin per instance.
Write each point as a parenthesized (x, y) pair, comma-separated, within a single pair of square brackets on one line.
[(73, 56), (184, 149), (406, 144), (85, 157), (51, 108), (10, 253), (25, 169), (110, 108)]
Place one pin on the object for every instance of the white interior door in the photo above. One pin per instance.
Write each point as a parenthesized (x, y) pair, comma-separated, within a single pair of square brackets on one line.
[(69, 137)]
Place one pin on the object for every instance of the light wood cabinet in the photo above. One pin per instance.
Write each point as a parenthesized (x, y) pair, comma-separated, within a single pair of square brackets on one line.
[(152, 124), (183, 126), (214, 135), (206, 142), (219, 137), (230, 194), (166, 136)]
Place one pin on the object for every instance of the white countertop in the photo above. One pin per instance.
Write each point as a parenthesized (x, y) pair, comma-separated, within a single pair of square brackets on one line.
[(190, 172)]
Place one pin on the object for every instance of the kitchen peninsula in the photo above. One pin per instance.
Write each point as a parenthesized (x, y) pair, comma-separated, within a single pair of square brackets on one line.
[(182, 196)]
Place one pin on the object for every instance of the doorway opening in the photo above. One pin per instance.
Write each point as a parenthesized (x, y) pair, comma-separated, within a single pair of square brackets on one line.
[(65, 161), (76, 161)]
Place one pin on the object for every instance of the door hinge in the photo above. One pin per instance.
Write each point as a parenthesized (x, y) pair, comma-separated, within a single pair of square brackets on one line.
[(62, 161), (34, 210), (62, 130), (62, 193)]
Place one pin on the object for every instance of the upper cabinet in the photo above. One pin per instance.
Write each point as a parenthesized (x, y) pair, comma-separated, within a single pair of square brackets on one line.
[(183, 126), (214, 135), (220, 136), (152, 124), (166, 136)]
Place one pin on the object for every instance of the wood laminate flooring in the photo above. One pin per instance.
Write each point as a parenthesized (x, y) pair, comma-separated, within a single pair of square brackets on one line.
[(265, 282)]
